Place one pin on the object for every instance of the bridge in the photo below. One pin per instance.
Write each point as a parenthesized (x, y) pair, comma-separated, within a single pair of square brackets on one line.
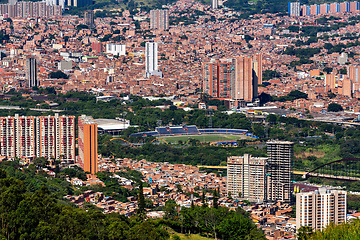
[(347, 169)]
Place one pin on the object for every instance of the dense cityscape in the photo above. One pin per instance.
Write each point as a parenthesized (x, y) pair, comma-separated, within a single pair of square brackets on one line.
[(179, 119)]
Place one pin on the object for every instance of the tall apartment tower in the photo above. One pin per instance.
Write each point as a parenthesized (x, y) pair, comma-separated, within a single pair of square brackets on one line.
[(44, 136), (56, 138), (257, 68), (280, 155), (88, 154), (89, 19), (294, 9), (12, 2), (246, 177), (245, 86), (217, 79), (214, 4), (353, 73), (31, 72), (159, 19), (151, 60), (235, 78), (319, 208)]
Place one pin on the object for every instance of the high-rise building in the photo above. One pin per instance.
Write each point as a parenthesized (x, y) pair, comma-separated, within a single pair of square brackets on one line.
[(31, 72), (214, 4), (12, 2), (88, 154), (246, 177), (217, 79), (151, 60), (235, 79), (44, 136), (56, 138), (319, 208), (330, 81), (353, 73), (159, 19), (279, 182), (347, 87), (257, 68), (244, 87), (294, 9), (89, 19), (26, 9)]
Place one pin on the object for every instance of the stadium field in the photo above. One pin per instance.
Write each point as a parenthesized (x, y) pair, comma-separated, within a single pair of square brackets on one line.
[(204, 138)]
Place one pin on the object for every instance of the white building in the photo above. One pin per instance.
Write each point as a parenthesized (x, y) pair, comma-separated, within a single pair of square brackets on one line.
[(317, 209), (294, 9), (214, 4), (116, 49), (151, 60), (246, 177)]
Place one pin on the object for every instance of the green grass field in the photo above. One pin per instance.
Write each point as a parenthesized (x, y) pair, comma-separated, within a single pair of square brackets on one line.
[(190, 237), (204, 138)]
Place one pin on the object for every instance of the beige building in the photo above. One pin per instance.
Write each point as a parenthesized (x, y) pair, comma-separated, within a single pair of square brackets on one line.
[(317, 209), (246, 177)]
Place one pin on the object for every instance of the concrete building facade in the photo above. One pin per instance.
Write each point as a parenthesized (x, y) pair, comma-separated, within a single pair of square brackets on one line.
[(279, 181), (151, 60), (246, 177), (88, 154), (31, 72), (319, 208), (43, 136), (159, 19)]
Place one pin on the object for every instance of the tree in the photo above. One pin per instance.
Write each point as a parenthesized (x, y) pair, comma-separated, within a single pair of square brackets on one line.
[(203, 200), (179, 188), (141, 202), (304, 233), (41, 162), (215, 199), (272, 118), (334, 107), (58, 75), (328, 70)]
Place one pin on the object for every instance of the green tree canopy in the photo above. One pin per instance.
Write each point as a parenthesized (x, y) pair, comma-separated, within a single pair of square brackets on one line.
[(334, 107)]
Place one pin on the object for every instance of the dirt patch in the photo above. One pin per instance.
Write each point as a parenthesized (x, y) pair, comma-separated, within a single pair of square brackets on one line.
[(318, 154)]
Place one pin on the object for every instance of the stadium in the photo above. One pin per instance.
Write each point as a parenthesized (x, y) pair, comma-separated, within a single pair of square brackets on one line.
[(221, 135)]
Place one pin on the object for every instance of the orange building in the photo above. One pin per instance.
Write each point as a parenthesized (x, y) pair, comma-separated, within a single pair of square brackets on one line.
[(353, 73), (245, 88), (347, 87), (330, 80), (88, 153), (314, 72)]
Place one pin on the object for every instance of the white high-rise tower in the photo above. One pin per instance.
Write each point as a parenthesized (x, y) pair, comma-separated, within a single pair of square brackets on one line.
[(151, 60)]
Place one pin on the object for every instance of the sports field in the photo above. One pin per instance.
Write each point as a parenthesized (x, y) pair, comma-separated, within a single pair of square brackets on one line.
[(204, 138)]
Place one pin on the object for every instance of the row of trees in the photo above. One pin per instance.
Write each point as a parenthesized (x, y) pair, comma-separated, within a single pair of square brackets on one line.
[(214, 222), (38, 215)]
